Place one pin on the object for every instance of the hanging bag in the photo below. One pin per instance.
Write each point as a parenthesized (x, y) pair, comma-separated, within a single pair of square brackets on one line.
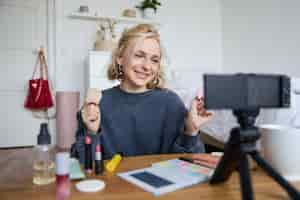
[(39, 95)]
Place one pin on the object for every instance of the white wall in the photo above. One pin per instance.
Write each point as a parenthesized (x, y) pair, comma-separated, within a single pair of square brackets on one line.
[(261, 36), (191, 33)]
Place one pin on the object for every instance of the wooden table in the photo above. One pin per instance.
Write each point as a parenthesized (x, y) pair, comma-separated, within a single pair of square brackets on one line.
[(16, 183)]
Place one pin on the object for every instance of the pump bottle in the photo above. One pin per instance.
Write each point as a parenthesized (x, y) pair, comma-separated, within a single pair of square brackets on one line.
[(43, 165)]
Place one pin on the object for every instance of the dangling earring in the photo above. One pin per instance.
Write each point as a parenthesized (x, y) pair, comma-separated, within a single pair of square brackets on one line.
[(156, 81), (120, 72)]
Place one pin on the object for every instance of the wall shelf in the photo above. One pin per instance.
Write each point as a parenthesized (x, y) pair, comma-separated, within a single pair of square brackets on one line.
[(131, 20)]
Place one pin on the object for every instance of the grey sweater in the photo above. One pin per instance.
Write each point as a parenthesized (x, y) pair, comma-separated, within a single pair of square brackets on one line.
[(151, 122)]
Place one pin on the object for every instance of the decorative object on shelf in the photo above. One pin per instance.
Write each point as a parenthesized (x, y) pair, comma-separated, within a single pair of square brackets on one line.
[(126, 20), (149, 8), (100, 34), (106, 36), (83, 9), (129, 13)]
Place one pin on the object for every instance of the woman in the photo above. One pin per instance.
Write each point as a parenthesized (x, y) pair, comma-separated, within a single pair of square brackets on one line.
[(139, 116)]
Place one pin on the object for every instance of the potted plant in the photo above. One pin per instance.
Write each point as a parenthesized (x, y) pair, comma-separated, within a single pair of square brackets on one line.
[(149, 7)]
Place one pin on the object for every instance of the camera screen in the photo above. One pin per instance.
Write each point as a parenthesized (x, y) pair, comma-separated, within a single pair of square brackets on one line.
[(264, 91), (246, 91)]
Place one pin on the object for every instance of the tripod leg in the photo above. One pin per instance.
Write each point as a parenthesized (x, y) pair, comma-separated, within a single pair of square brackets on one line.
[(229, 160), (245, 178), (293, 193)]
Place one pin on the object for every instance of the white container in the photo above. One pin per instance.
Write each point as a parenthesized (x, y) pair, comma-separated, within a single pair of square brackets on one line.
[(281, 149)]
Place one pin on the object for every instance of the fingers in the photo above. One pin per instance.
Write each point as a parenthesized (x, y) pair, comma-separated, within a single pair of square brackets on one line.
[(91, 116), (197, 116), (93, 96), (200, 107), (91, 119), (93, 125), (92, 109)]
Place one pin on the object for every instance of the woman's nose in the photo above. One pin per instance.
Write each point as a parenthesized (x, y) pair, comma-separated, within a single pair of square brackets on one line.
[(147, 64)]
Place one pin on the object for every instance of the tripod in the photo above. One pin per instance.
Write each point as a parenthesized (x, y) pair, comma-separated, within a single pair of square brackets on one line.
[(242, 142)]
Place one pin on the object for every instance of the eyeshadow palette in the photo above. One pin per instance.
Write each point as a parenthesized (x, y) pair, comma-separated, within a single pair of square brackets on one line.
[(167, 176)]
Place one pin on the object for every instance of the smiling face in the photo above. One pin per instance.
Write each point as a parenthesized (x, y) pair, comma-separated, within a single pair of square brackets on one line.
[(140, 63)]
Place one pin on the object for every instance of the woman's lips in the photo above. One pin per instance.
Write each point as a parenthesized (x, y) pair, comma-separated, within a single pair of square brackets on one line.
[(142, 74)]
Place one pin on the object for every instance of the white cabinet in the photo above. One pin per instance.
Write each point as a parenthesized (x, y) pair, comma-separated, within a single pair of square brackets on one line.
[(96, 77)]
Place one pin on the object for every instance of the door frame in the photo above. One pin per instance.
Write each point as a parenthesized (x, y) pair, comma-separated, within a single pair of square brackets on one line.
[(51, 55), (52, 39)]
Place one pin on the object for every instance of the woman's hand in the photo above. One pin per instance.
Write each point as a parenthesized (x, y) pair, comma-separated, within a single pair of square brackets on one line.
[(196, 117), (91, 111)]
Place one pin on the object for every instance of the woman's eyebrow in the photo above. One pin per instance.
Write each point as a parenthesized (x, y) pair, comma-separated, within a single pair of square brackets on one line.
[(156, 57), (145, 53), (140, 51)]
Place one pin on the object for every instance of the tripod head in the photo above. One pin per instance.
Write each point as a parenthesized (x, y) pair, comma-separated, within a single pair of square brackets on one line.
[(246, 118), (248, 134)]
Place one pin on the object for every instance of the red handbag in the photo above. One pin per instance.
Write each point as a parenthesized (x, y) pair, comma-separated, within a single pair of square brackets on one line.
[(39, 96)]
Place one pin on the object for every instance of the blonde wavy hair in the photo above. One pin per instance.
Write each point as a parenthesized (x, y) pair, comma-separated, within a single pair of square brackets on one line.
[(143, 31)]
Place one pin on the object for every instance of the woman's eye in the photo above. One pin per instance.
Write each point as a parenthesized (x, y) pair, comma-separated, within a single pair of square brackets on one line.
[(139, 55), (155, 61)]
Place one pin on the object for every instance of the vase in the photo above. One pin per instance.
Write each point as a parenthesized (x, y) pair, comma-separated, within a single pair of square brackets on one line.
[(149, 13), (105, 45)]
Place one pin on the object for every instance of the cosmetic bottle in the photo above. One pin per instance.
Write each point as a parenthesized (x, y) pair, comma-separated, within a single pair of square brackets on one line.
[(43, 165)]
